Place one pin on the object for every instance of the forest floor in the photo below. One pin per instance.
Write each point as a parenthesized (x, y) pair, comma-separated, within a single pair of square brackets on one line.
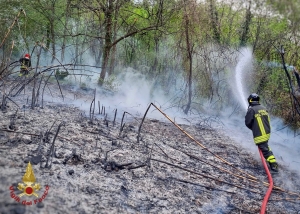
[(96, 165)]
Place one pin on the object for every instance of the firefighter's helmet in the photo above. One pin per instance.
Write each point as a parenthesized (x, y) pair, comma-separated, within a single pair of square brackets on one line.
[(27, 56), (253, 99)]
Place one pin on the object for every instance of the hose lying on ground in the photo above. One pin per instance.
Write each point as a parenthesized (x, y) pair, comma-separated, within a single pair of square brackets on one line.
[(268, 193)]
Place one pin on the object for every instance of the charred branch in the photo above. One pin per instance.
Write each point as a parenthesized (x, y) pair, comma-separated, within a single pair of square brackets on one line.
[(207, 176), (52, 148), (115, 117), (99, 106)]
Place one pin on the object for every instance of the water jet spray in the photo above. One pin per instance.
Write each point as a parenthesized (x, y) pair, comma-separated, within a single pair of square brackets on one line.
[(243, 65)]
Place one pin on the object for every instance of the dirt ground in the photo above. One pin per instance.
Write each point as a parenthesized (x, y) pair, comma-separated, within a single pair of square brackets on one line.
[(96, 165)]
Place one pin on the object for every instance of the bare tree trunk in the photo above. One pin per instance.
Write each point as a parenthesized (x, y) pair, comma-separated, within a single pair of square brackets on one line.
[(77, 40), (112, 60), (108, 40), (190, 61), (114, 48), (53, 41), (65, 30), (257, 34), (48, 35), (104, 63), (51, 19), (33, 99), (157, 36)]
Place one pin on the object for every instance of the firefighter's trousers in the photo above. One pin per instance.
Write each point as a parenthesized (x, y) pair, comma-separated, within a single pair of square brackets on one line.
[(266, 151)]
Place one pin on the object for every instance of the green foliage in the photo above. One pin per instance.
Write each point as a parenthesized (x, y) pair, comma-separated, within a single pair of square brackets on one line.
[(274, 88), (161, 46), (230, 22)]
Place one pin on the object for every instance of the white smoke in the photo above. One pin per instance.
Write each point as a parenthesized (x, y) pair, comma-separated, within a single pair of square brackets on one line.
[(135, 92)]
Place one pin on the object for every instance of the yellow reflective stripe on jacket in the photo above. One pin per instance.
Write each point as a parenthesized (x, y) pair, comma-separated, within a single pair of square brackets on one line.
[(262, 138), (261, 126), (23, 65), (271, 159)]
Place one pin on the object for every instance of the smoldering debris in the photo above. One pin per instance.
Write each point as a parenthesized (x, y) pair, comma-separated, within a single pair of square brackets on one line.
[(94, 162)]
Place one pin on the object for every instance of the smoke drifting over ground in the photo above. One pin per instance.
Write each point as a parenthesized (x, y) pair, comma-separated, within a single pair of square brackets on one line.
[(132, 91)]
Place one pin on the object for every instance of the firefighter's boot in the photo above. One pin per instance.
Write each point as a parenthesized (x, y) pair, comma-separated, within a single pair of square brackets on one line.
[(272, 162), (274, 167)]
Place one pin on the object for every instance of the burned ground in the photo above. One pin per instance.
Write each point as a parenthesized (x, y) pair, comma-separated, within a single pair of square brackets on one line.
[(95, 165)]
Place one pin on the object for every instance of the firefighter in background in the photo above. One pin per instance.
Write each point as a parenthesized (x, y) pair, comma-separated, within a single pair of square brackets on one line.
[(257, 119), (25, 65)]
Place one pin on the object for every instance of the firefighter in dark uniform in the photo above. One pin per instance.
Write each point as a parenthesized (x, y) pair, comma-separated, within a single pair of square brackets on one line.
[(25, 65), (257, 119)]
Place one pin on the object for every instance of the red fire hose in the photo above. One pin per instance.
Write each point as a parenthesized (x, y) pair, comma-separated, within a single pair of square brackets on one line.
[(268, 193)]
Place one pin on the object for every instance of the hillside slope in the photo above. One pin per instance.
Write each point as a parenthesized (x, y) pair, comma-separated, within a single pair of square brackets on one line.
[(93, 167)]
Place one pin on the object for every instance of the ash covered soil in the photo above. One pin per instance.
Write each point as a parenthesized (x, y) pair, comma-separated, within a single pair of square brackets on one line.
[(91, 166)]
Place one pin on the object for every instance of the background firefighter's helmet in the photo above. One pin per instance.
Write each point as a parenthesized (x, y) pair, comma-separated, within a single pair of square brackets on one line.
[(27, 56), (253, 99)]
